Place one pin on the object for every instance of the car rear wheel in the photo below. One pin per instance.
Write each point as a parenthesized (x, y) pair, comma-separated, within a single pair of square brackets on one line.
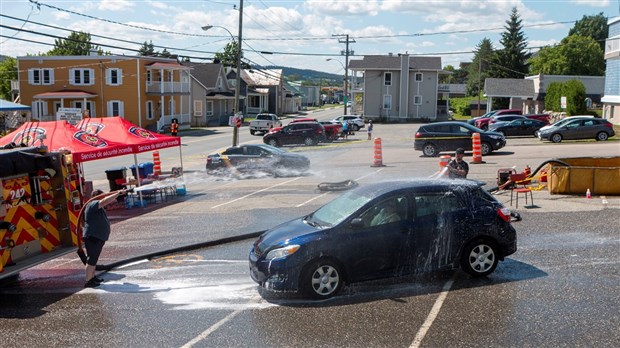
[(429, 150), (556, 138), (309, 141), (479, 258), (602, 136), (273, 142), (322, 279), (355, 127), (485, 149), (252, 132)]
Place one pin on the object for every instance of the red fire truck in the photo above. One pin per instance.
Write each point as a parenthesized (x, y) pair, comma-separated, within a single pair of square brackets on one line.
[(42, 194)]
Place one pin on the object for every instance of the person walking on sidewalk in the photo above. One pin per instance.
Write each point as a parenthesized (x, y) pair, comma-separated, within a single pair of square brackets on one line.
[(370, 129), (174, 127), (345, 129)]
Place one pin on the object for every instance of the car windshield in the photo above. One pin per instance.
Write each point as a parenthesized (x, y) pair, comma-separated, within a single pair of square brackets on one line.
[(337, 210), (473, 128)]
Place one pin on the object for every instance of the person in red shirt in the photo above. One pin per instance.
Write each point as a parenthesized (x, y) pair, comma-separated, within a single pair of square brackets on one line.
[(174, 127)]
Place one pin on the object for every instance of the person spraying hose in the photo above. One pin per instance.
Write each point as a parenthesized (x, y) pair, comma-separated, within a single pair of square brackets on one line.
[(94, 232)]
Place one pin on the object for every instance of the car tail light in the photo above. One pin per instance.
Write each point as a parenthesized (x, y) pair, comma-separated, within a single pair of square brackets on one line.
[(209, 160), (504, 213), (418, 135), (319, 131), (608, 125)]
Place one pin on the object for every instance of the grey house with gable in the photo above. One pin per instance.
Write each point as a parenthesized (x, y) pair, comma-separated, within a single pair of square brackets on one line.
[(399, 88)]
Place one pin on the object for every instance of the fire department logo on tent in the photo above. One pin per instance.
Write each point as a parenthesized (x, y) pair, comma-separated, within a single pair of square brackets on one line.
[(92, 127), (141, 132), (89, 139), (29, 136)]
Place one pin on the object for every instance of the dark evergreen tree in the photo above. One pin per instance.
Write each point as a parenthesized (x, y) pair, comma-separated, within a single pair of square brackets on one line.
[(511, 61), (147, 49)]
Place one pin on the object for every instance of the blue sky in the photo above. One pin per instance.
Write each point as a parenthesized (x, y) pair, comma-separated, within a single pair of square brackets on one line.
[(299, 34)]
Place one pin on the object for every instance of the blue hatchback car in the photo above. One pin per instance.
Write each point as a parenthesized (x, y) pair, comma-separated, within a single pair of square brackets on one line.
[(383, 230)]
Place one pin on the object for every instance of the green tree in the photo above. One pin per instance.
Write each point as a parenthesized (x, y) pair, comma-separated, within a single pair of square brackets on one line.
[(479, 68), (229, 56), (575, 55), (147, 49), (512, 60), (575, 93), (8, 72), (76, 44), (592, 26)]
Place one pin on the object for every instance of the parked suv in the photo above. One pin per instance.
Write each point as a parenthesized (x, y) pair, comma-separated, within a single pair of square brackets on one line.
[(433, 138), (307, 133), (358, 121)]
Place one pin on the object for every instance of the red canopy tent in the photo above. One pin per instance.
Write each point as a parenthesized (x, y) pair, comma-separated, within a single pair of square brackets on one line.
[(117, 129), (61, 135)]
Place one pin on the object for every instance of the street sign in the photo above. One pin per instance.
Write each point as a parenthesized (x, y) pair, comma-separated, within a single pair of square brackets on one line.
[(563, 102)]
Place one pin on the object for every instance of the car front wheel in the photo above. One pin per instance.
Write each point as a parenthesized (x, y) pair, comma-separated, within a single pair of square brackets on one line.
[(479, 258), (485, 149), (322, 279), (309, 141), (556, 138), (355, 128), (602, 136), (252, 132), (429, 150), (273, 142)]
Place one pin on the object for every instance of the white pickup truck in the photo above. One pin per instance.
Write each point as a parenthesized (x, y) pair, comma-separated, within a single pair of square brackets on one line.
[(264, 122)]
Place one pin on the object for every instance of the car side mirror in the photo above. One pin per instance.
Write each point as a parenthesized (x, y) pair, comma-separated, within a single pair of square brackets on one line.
[(357, 223)]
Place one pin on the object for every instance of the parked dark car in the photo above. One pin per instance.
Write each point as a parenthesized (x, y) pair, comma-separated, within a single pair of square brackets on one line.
[(578, 128), (306, 133), (518, 127), (503, 118), (434, 138), (483, 122), (383, 230), (257, 158)]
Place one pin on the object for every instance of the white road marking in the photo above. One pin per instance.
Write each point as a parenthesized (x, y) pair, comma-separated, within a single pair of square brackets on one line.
[(255, 192), (432, 315)]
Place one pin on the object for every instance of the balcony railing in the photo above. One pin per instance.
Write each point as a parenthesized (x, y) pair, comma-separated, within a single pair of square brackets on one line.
[(14, 85), (612, 47), (167, 87)]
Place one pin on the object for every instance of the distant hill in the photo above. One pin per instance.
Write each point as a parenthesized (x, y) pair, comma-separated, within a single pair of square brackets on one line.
[(306, 74)]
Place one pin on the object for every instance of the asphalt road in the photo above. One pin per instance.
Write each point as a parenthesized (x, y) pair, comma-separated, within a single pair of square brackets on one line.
[(559, 289)]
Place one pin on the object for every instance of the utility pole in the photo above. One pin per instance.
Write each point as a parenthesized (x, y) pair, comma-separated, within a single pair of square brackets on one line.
[(238, 112), (345, 53), (479, 76)]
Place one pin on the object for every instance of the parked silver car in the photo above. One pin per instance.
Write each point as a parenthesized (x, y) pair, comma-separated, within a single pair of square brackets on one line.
[(577, 128), (356, 120)]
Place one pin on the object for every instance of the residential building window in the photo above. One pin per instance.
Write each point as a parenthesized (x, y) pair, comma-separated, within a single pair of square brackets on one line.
[(387, 102), (41, 76), (418, 77), (387, 79), (254, 101), (39, 109), (149, 110), (114, 77), (417, 100), (198, 108), (149, 77), (209, 108), (170, 75), (115, 108), (82, 77), (57, 106)]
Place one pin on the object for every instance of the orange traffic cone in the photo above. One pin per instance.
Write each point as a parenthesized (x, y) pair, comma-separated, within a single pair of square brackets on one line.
[(156, 164), (477, 151), (378, 158)]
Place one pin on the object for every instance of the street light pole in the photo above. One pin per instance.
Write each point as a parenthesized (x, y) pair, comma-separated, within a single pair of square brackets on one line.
[(344, 95), (238, 112)]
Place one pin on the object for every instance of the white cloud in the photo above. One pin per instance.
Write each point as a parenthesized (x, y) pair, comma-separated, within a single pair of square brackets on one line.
[(593, 3), (115, 5), (337, 8)]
